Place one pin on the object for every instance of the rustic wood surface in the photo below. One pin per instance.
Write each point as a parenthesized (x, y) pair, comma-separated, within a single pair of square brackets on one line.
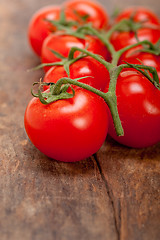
[(114, 195)]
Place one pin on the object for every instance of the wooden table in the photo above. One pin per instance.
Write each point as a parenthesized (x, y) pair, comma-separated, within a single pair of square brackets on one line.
[(111, 196)]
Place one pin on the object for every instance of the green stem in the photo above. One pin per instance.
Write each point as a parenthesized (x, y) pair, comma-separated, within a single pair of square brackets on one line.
[(93, 55), (112, 103), (100, 36), (114, 73), (121, 51), (105, 39), (66, 80), (109, 98), (154, 80), (115, 27)]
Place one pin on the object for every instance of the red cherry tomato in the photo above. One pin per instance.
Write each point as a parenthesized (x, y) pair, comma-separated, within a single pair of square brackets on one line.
[(138, 103), (96, 13), (63, 43), (98, 74), (139, 14), (68, 130), (39, 29), (123, 39), (136, 57)]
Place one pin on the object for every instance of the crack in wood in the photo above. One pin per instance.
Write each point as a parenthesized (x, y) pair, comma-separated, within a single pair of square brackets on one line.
[(117, 217)]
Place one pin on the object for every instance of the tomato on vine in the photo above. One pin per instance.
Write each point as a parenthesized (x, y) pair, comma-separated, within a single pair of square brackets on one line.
[(135, 56), (138, 14), (138, 102), (83, 11), (89, 12), (121, 39), (96, 73), (68, 130), (56, 41), (69, 121)]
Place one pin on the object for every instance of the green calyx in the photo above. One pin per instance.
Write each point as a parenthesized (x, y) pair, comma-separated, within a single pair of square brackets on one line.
[(57, 91), (128, 25), (50, 96), (62, 22)]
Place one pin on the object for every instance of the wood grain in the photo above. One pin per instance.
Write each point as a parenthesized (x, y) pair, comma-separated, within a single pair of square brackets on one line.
[(114, 195), (133, 180)]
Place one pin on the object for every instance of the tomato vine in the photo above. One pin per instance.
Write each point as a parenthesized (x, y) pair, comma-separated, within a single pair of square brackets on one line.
[(140, 80)]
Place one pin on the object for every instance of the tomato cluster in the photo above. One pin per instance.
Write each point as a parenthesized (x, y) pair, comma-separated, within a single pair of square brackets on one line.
[(74, 128), (78, 10)]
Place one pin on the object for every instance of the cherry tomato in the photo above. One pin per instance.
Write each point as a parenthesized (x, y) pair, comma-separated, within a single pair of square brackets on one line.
[(68, 130), (39, 29), (138, 103), (95, 12), (87, 66), (139, 14), (123, 39), (135, 57), (56, 41)]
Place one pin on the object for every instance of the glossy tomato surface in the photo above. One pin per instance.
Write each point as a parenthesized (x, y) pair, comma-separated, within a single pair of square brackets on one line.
[(68, 130), (63, 44), (139, 14), (139, 110), (123, 39), (135, 57), (92, 9), (96, 74), (39, 29)]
